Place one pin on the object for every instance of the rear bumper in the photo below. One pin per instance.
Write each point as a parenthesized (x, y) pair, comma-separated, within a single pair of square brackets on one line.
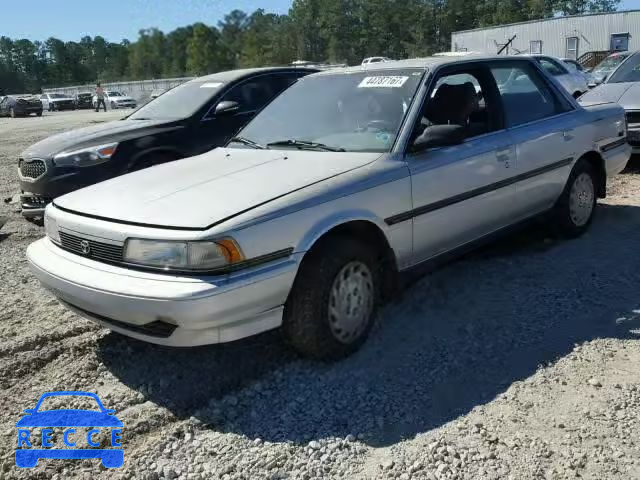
[(166, 309), (616, 158)]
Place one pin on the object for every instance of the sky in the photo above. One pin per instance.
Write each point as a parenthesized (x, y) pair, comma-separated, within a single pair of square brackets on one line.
[(119, 19), (116, 19)]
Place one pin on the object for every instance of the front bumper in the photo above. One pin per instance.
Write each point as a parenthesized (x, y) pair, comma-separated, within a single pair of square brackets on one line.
[(166, 309), (63, 106), (633, 137), (125, 104), (36, 193)]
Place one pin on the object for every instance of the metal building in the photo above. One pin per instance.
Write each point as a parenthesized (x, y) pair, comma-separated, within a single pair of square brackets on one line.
[(586, 38)]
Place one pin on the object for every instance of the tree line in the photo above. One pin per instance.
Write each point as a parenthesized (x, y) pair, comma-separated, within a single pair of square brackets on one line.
[(334, 31)]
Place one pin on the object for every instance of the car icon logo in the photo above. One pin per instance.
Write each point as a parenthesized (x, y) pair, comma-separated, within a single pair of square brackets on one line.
[(85, 247), (72, 422)]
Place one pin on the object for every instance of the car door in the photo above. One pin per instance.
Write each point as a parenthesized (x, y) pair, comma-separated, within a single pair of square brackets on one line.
[(541, 122), (461, 192), (251, 95)]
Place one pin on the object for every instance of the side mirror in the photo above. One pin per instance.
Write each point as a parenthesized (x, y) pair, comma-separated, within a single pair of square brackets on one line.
[(439, 136), (226, 107)]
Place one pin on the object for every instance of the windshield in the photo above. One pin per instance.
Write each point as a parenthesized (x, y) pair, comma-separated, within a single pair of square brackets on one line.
[(179, 102), (629, 71), (57, 95), (610, 63), (114, 94), (358, 112)]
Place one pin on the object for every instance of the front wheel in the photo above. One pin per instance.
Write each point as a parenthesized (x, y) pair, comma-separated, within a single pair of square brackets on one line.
[(574, 210), (113, 105), (332, 305)]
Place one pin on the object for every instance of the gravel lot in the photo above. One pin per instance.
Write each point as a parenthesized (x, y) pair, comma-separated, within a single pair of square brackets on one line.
[(519, 361)]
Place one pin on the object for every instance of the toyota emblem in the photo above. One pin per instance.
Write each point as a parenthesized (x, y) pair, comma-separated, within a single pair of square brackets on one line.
[(85, 247)]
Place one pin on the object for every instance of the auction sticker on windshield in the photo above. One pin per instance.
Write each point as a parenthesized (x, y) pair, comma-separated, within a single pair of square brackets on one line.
[(383, 82)]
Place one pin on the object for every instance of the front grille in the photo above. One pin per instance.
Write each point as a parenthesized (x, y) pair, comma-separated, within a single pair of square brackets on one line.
[(32, 168), (633, 117), (104, 252)]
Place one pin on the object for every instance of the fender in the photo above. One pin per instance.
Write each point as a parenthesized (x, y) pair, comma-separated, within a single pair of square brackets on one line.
[(336, 219)]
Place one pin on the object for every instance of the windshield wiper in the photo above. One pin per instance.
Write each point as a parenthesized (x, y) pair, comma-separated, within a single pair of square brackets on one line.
[(305, 144), (246, 141)]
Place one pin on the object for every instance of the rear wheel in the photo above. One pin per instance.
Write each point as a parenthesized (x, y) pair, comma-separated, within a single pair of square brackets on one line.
[(113, 105), (574, 211), (332, 305)]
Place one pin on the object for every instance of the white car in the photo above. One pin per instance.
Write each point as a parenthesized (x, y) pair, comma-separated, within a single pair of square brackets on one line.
[(114, 99), (574, 82), (369, 60), (578, 69), (304, 222), (57, 102)]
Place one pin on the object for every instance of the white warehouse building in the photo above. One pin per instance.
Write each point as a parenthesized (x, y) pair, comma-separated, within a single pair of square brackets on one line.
[(586, 38)]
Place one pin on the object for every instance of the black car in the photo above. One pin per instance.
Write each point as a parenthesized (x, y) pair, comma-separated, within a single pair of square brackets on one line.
[(19, 106), (83, 100), (187, 120)]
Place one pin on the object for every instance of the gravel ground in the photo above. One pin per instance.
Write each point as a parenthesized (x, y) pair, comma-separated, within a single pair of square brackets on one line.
[(519, 361)]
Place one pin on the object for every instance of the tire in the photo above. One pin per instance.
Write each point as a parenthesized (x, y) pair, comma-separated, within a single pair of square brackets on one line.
[(308, 324), (39, 113), (574, 211), (113, 105), (577, 95)]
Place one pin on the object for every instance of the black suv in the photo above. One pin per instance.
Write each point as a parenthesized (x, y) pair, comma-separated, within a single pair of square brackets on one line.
[(187, 120)]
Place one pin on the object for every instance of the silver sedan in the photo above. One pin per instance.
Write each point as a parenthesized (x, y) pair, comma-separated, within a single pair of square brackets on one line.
[(346, 180)]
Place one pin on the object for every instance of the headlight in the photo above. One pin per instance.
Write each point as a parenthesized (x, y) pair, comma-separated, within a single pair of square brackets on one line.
[(51, 228), (86, 156), (196, 256)]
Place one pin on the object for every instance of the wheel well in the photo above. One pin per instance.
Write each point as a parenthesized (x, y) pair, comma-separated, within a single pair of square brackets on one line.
[(369, 233), (597, 163)]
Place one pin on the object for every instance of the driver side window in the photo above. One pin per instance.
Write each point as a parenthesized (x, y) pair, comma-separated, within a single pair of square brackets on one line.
[(458, 99), (251, 95)]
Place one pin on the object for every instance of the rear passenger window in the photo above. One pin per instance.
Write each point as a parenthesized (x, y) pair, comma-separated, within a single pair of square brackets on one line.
[(525, 95)]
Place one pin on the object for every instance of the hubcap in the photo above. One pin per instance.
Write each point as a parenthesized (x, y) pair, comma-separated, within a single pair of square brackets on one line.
[(581, 200), (350, 302)]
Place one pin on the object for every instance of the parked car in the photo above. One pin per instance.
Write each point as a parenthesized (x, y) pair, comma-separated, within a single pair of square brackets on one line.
[(189, 119), (304, 221), (369, 60), (572, 81), (83, 100), (623, 87), (114, 99), (601, 71), (57, 102), (578, 69), (20, 106)]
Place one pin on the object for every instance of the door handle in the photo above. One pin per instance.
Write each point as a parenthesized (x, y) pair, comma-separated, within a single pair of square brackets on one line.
[(567, 135)]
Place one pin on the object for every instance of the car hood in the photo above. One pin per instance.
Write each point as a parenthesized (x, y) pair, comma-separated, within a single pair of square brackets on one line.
[(87, 136), (199, 192), (626, 94), (69, 418)]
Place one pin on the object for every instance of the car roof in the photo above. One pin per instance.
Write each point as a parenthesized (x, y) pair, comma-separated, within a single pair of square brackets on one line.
[(233, 75), (425, 63)]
